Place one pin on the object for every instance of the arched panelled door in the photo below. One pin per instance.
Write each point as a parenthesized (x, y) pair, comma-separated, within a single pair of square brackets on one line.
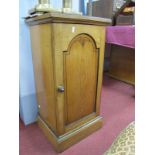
[(80, 78)]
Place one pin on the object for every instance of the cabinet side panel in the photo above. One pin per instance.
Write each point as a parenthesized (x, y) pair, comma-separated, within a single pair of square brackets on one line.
[(41, 42)]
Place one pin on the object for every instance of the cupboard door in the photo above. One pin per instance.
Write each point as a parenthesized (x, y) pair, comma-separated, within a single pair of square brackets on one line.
[(78, 72), (80, 78)]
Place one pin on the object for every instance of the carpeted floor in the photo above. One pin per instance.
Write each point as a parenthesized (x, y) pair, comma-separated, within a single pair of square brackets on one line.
[(117, 108)]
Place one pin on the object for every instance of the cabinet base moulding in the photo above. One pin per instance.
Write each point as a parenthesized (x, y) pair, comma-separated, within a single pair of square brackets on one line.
[(63, 142)]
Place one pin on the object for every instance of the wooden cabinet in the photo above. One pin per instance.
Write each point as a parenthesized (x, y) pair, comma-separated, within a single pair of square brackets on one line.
[(68, 54)]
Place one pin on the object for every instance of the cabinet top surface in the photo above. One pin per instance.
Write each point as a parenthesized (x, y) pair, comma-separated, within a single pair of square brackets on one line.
[(67, 18)]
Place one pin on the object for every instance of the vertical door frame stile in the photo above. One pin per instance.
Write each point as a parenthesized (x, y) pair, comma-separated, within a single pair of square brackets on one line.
[(53, 60), (98, 59), (100, 69), (59, 104), (66, 52)]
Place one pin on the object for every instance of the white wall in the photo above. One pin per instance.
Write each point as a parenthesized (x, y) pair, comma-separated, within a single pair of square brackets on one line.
[(28, 103), (75, 5)]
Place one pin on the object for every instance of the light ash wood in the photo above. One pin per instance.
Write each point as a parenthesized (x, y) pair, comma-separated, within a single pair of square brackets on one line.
[(71, 56)]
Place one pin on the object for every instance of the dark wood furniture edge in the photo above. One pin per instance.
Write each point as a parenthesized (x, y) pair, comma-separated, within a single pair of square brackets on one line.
[(120, 79), (120, 10)]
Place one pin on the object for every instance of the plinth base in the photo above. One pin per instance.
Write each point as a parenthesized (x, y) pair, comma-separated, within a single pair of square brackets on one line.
[(63, 142)]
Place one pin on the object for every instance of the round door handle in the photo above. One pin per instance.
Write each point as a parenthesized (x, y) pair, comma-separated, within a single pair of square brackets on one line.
[(61, 89)]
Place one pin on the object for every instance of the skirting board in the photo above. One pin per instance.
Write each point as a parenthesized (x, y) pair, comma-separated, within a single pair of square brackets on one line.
[(120, 79), (63, 142), (28, 109)]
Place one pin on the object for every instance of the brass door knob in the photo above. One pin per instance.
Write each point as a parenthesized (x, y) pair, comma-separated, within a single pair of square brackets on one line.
[(60, 89)]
